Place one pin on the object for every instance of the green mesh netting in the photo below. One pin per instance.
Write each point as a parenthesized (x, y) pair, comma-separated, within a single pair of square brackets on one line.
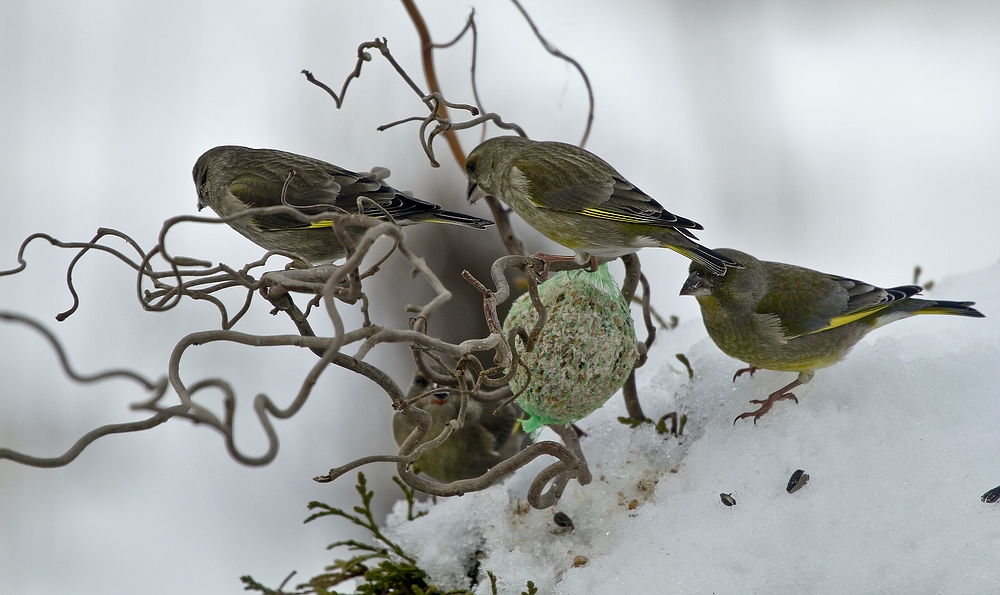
[(584, 353)]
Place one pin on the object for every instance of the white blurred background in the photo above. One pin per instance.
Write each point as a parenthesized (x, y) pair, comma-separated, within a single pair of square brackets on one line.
[(854, 137)]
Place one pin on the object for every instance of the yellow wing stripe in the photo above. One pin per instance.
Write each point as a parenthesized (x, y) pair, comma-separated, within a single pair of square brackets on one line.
[(316, 225), (611, 216), (329, 223), (848, 318)]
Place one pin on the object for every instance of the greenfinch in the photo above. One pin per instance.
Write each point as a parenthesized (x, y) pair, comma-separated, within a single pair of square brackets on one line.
[(482, 442), (793, 319), (576, 199), (232, 179)]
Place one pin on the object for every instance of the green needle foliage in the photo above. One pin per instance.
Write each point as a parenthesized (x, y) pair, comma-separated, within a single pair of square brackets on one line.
[(386, 569), (676, 429)]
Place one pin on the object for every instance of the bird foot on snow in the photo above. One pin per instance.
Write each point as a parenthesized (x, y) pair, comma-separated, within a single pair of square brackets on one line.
[(766, 404)]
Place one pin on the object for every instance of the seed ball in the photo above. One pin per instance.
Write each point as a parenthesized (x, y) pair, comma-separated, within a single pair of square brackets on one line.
[(584, 352)]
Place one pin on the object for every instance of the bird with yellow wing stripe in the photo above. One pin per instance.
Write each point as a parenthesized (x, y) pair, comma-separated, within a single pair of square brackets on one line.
[(233, 180), (792, 319), (576, 199)]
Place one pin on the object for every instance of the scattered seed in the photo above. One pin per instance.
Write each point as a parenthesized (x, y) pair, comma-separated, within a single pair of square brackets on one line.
[(992, 496), (564, 524), (798, 481), (728, 499)]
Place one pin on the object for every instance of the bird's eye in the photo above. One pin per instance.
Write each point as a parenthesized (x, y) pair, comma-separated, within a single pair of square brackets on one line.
[(470, 168)]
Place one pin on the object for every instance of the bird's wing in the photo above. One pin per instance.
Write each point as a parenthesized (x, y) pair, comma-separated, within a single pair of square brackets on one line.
[(501, 426), (808, 302), (560, 182), (577, 185), (328, 188), (631, 205)]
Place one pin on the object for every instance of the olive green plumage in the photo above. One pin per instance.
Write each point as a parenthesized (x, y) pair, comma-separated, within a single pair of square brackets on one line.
[(470, 451), (576, 199), (232, 179), (782, 317)]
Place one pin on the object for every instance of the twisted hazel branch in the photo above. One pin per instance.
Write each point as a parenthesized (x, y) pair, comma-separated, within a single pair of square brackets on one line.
[(363, 56), (85, 440), (633, 278), (559, 473), (201, 282), (503, 356), (263, 406), (64, 359), (157, 388), (439, 112), (633, 273), (83, 247), (430, 73), (435, 102), (555, 52), (332, 283), (438, 108), (568, 467), (163, 298), (328, 348), (571, 465), (647, 318), (335, 284)]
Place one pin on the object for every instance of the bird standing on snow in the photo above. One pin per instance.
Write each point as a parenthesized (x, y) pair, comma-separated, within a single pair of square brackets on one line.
[(792, 319), (576, 199), (233, 179)]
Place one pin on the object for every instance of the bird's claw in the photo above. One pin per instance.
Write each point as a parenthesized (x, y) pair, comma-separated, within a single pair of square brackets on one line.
[(548, 259), (743, 371), (765, 406)]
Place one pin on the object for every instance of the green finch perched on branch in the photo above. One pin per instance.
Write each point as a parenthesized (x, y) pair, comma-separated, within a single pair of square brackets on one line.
[(482, 442), (233, 179), (792, 319), (576, 199)]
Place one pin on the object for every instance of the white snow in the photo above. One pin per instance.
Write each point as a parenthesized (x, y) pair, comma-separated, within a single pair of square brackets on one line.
[(899, 441)]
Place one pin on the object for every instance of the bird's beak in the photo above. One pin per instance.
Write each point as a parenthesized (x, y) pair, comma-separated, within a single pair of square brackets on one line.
[(201, 205), (440, 397), (696, 285), (475, 192)]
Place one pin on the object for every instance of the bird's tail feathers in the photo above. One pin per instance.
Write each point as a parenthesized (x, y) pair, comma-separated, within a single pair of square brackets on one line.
[(941, 307), (453, 218), (913, 306), (710, 259)]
